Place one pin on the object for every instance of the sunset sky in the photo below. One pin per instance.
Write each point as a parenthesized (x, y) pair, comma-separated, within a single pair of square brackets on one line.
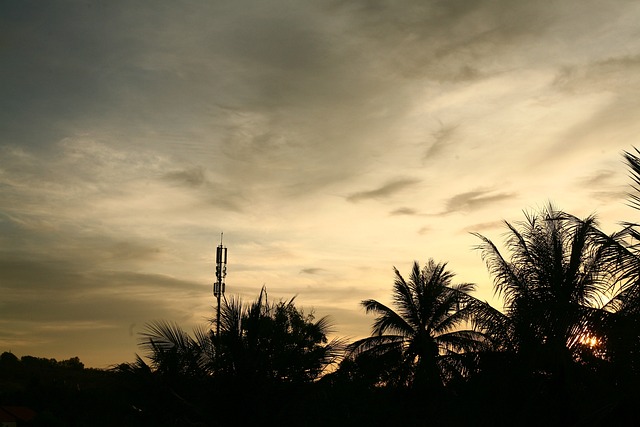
[(328, 140)]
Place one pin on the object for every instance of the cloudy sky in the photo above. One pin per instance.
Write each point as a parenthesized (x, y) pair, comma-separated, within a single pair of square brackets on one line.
[(329, 141)]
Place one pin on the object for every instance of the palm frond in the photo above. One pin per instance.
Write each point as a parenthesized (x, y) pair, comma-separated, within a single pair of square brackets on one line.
[(455, 308), (404, 296), (507, 282), (457, 366), (325, 325), (463, 341), (387, 319), (164, 335), (138, 367), (378, 344), (633, 162)]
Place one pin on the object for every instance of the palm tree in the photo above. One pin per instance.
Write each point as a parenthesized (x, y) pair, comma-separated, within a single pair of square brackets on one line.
[(175, 353), (623, 328), (422, 337), (559, 287), (257, 342)]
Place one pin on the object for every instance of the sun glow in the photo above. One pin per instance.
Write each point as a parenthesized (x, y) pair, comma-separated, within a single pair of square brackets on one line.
[(590, 341)]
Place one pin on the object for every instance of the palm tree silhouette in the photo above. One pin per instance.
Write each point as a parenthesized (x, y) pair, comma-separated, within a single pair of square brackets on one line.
[(623, 328), (173, 352), (559, 288), (422, 336), (261, 341)]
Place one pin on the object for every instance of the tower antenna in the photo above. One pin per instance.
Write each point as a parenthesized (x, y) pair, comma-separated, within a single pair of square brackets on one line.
[(221, 273)]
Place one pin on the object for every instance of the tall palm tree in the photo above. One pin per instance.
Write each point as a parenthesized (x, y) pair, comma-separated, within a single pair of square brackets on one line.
[(623, 328), (422, 337), (558, 286)]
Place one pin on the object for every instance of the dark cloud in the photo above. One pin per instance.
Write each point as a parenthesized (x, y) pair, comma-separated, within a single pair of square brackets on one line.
[(60, 246), (387, 190), (55, 302), (446, 41), (473, 200), (60, 64), (30, 273), (27, 274), (274, 100)]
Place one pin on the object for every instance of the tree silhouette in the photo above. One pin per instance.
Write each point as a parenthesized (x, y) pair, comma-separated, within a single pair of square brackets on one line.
[(560, 285), (623, 328), (260, 341), (421, 342), (274, 341), (175, 353)]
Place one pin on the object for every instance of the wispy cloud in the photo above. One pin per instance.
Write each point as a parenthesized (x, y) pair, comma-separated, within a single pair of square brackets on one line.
[(442, 139), (193, 177), (386, 190), (474, 200), (610, 74), (483, 226), (312, 270), (598, 178), (404, 211)]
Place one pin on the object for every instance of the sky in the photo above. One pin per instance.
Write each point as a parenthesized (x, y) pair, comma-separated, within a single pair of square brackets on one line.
[(328, 140)]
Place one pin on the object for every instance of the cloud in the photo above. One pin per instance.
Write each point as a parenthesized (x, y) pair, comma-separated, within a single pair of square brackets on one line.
[(404, 211), (474, 200), (36, 274), (442, 139), (386, 190), (446, 41), (54, 303), (483, 226), (424, 230), (312, 271), (610, 196), (598, 179), (193, 177), (610, 74)]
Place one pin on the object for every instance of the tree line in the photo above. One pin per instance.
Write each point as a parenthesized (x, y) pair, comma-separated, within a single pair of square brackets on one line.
[(563, 350)]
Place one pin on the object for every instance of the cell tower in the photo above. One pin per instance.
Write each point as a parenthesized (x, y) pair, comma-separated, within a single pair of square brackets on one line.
[(221, 273)]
